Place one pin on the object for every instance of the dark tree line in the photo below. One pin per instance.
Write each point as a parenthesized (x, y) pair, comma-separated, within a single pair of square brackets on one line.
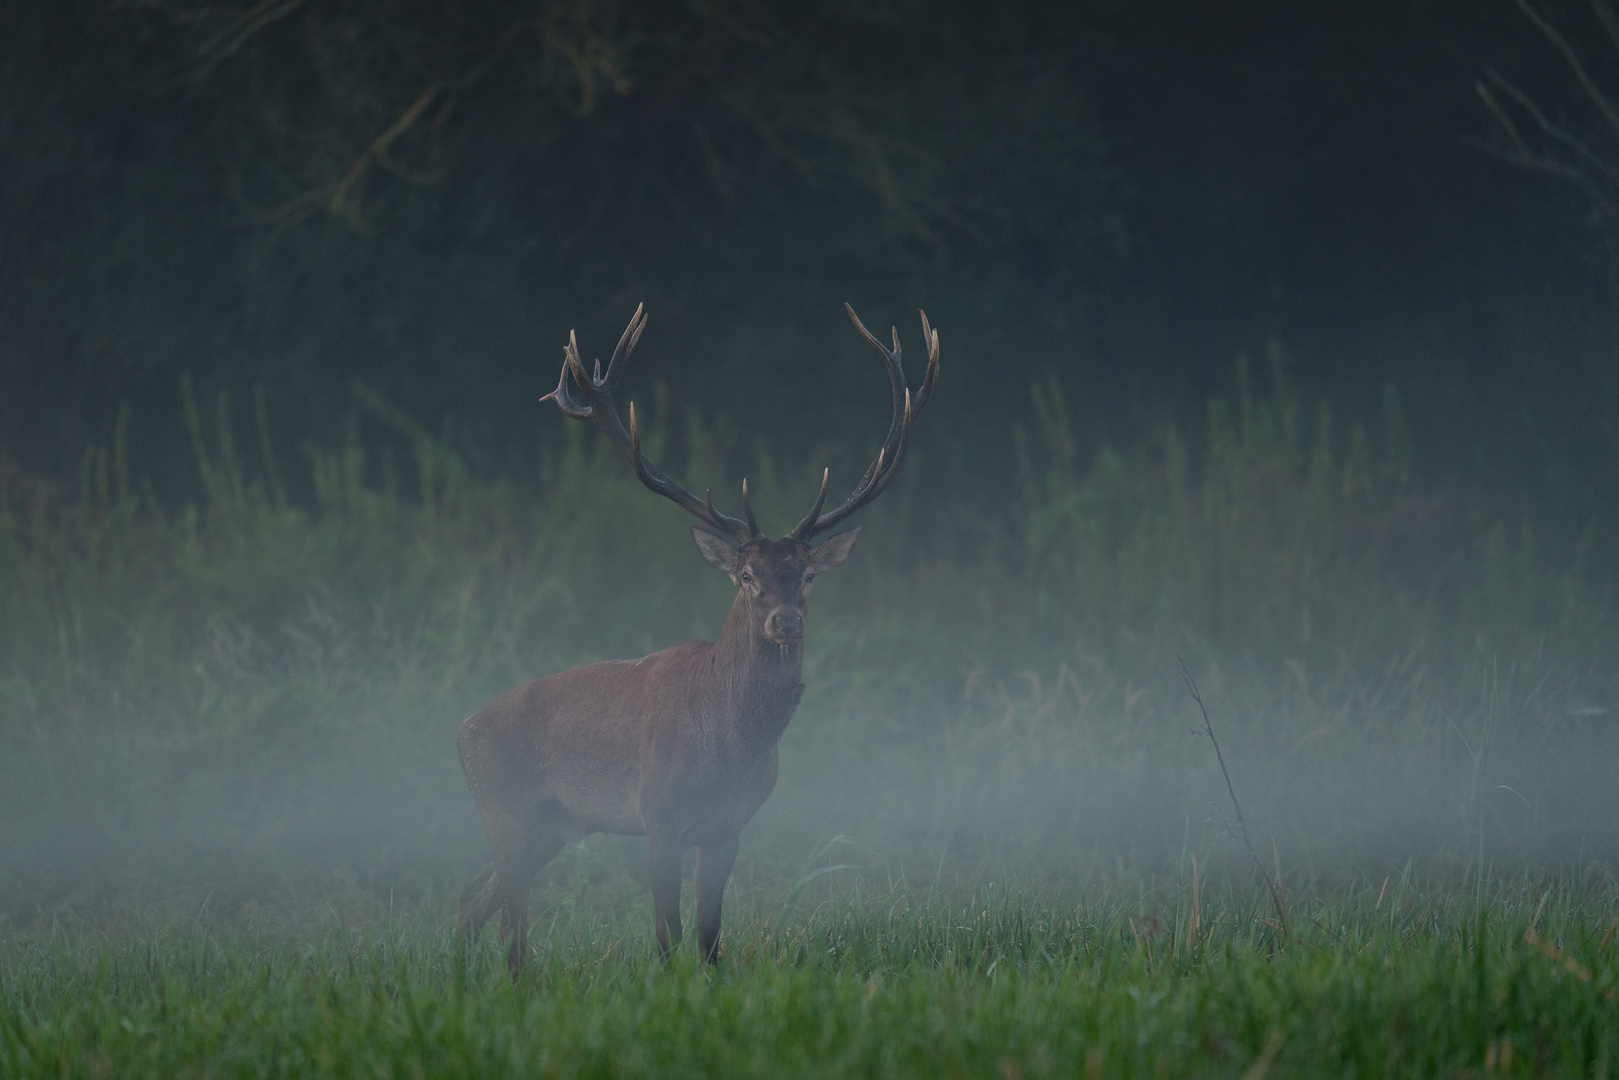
[(424, 196), (428, 194)]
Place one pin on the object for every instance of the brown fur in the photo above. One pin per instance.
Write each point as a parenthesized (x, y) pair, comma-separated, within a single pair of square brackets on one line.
[(679, 746)]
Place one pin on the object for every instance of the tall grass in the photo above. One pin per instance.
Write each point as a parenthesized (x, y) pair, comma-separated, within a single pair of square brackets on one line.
[(265, 689)]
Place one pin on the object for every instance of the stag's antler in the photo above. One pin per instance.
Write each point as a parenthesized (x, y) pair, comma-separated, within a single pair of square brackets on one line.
[(600, 408), (906, 409)]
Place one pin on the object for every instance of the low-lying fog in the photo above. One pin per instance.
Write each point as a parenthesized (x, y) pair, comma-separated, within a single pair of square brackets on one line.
[(1059, 780)]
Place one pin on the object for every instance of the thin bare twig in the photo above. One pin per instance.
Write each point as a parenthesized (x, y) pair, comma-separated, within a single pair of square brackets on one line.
[(341, 203), (1598, 98), (1275, 886), (1552, 131), (1610, 24), (1529, 137)]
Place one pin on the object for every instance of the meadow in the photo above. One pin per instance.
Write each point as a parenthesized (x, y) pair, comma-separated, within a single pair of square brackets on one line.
[(232, 822), (1378, 983)]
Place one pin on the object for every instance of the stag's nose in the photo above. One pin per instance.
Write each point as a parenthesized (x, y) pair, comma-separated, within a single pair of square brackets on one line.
[(787, 625)]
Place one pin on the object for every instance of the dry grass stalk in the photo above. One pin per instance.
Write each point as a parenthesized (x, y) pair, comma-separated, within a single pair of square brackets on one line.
[(1195, 912), (1567, 962), (1273, 885), (1266, 1056)]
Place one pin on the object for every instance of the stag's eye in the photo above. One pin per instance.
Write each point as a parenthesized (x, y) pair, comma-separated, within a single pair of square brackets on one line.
[(747, 575), (809, 576)]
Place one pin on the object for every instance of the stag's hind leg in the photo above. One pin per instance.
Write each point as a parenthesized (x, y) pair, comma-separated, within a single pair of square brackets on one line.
[(513, 875), (523, 836), (476, 902)]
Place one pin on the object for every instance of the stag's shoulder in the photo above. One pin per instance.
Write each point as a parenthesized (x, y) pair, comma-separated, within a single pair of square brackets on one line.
[(684, 652)]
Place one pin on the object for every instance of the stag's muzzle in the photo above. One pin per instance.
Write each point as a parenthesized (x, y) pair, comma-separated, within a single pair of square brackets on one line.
[(785, 625)]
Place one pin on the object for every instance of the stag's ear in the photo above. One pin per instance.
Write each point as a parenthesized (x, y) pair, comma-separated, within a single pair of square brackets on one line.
[(833, 550), (716, 552)]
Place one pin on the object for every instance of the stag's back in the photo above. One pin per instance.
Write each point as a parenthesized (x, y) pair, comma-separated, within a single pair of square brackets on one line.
[(575, 744)]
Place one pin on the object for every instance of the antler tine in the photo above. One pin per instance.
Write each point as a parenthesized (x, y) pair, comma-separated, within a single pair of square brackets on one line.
[(564, 398), (891, 360), (931, 337), (808, 523), (860, 326), (603, 412), (747, 509), (626, 344), (570, 356), (880, 474), (884, 473)]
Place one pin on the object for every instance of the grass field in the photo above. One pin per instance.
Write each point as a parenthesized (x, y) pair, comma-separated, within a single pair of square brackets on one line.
[(1373, 982), (231, 817)]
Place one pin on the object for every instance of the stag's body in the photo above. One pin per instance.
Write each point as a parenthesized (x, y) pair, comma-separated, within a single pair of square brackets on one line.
[(630, 747), (679, 746)]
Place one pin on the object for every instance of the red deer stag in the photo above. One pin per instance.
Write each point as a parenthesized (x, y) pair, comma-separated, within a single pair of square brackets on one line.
[(681, 745)]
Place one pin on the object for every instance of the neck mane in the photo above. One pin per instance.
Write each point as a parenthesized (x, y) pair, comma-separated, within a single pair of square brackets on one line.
[(756, 684)]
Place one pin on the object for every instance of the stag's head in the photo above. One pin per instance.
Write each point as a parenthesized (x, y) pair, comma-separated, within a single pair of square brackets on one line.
[(773, 577)]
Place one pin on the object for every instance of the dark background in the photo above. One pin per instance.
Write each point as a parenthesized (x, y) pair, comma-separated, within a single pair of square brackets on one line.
[(1124, 196)]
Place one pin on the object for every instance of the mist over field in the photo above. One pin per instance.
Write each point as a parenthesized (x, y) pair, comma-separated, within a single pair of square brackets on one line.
[(252, 703), (1261, 355)]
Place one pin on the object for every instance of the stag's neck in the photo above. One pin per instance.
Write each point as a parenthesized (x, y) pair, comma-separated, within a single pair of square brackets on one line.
[(756, 682)]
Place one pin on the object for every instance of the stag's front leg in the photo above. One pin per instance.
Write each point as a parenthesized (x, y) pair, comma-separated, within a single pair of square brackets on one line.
[(714, 862), (666, 853)]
